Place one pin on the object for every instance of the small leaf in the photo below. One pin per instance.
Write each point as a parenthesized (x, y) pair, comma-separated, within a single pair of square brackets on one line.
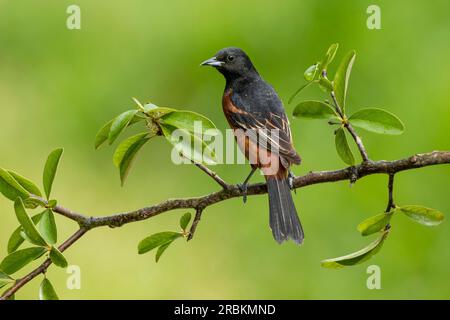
[(26, 184), (27, 224), (310, 73), (314, 110), (10, 188), (102, 135), (5, 279), (342, 147), (377, 121), (187, 120), (126, 152), (356, 257), (46, 291), (326, 85), (17, 260), (426, 216), (189, 145), (161, 250), (329, 57), (185, 219), (47, 227), (52, 203), (374, 224), (157, 240), (33, 203), (156, 112), (119, 124), (342, 77), (15, 240), (58, 258), (299, 90), (51, 166)]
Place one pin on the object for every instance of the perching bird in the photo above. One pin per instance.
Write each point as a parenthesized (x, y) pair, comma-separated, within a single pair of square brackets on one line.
[(256, 114)]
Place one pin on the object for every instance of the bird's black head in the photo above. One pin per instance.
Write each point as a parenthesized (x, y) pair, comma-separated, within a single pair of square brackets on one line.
[(232, 62)]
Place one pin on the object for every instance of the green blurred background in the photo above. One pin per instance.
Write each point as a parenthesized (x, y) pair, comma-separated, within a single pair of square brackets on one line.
[(59, 86)]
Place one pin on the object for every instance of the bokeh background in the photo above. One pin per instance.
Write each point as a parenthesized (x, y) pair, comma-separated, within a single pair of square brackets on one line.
[(59, 86)]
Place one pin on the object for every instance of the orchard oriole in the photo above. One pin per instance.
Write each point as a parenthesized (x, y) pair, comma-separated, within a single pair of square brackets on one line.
[(256, 114)]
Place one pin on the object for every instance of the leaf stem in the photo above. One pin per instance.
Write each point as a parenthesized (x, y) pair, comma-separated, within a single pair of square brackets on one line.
[(351, 130)]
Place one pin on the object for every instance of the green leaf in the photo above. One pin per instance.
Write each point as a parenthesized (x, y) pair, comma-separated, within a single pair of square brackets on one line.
[(311, 72), (189, 145), (314, 110), (33, 203), (47, 227), (119, 124), (426, 216), (46, 291), (161, 250), (299, 90), (156, 240), (374, 224), (15, 240), (27, 224), (329, 57), (17, 260), (342, 77), (50, 170), (126, 152), (26, 184), (52, 203), (326, 85), (186, 120), (342, 147), (378, 121), (102, 134), (10, 188), (185, 219), (58, 258), (156, 112), (356, 257), (5, 279)]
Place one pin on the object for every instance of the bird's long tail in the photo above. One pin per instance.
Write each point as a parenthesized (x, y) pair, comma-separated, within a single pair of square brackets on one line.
[(284, 220)]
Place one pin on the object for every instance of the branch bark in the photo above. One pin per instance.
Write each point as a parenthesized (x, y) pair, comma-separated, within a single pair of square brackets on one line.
[(232, 191), (43, 267)]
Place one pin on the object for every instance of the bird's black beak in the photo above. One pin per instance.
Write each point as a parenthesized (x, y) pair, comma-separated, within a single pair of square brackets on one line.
[(213, 62)]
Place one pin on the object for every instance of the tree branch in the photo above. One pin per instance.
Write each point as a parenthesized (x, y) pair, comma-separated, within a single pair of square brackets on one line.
[(232, 191), (43, 267)]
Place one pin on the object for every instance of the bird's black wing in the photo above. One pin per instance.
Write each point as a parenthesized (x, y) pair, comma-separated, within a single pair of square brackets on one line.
[(261, 114)]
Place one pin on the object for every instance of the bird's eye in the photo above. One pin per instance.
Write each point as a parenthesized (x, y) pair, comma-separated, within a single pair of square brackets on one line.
[(230, 58)]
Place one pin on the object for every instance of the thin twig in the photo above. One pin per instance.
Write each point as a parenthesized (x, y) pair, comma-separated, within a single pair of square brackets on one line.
[(212, 174), (43, 267), (391, 204), (349, 127), (198, 216)]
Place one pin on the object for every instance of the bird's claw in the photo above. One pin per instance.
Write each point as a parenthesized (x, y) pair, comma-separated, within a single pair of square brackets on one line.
[(291, 178), (243, 188)]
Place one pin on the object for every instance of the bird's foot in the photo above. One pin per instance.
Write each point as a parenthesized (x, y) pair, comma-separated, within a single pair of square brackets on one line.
[(243, 188), (291, 178)]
